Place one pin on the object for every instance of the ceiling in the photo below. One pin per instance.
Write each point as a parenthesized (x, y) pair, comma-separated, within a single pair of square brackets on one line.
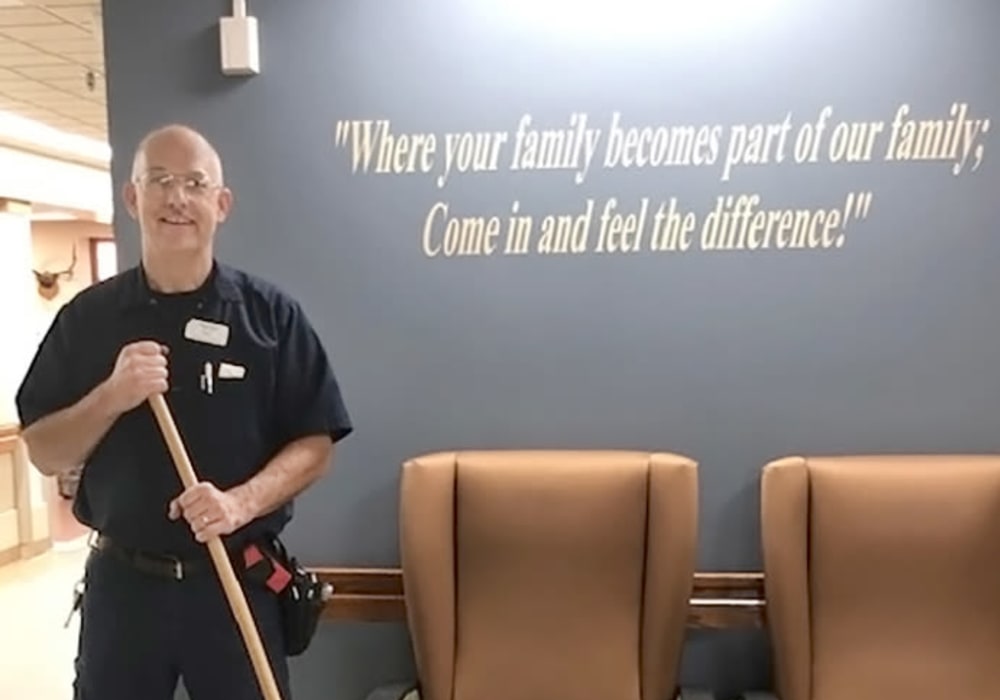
[(52, 64)]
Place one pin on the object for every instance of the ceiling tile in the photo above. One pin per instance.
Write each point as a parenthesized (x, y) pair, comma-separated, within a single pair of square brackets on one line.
[(46, 49), (84, 16), (25, 16), (75, 85), (28, 87), (63, 46), (9, 46), (12, 104), (56, 100), (95, 59), (63, 3), (35, 58), (57, 32), (65, 71)]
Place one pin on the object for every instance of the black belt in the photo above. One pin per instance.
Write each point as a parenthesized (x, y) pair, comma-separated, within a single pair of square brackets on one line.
[(162, 565)]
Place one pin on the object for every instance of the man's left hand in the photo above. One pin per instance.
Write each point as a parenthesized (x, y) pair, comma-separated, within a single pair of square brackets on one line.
[(210, 511)]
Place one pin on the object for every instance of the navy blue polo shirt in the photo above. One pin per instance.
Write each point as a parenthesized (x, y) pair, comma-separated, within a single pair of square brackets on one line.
[(237, 400)]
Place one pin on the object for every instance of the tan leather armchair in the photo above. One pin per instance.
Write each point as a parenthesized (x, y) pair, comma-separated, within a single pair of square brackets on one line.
[(882, 576), (546, 574)]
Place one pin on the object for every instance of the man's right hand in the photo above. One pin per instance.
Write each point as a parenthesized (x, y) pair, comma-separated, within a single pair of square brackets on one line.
[(64, 439), (140, 371)]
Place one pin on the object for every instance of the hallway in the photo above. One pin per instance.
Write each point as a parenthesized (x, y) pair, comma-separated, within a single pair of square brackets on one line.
[(35, 597)]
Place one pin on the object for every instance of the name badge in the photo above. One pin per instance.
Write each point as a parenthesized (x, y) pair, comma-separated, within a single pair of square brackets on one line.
[(207, 332)]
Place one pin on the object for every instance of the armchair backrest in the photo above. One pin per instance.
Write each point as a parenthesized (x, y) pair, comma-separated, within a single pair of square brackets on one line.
[(882, 576), (535, 574)]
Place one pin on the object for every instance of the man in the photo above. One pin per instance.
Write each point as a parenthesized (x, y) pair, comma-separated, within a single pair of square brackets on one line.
[(256, 403)]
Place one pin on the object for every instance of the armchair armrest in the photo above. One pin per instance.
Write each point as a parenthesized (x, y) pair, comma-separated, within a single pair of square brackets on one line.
[(395, 691), (694, 694)]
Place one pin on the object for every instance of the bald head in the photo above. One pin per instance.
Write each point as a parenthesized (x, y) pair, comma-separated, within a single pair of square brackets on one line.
[(177, 195), (177, 142)]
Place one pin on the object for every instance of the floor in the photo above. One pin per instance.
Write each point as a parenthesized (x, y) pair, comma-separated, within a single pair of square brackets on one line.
[(35, 598)]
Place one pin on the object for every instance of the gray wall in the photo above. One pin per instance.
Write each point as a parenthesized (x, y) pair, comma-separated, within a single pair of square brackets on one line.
[(886, 343)]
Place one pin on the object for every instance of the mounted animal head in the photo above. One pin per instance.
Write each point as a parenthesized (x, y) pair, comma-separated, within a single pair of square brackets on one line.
[(48, 281)]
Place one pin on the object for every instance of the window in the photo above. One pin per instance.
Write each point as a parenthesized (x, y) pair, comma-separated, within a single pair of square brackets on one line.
[(104, 258)]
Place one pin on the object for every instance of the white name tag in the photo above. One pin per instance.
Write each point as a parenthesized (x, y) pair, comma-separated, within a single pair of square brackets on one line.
[(207, 332), (228, 371)]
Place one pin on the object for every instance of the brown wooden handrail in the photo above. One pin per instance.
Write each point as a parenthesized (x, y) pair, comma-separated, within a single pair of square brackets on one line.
[(720, 600)]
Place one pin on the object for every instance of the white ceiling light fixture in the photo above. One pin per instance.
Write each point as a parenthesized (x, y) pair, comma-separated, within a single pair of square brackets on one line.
[(30, 135)]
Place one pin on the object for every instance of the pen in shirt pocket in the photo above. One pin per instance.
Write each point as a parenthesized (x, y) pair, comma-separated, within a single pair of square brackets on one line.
[(207, 378)]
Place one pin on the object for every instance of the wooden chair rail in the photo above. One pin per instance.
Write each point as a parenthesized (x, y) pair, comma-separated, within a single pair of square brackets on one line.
[(8, 438), (719, 600)]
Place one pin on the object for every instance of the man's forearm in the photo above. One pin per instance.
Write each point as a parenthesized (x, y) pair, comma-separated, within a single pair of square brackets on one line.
[(298, 465), (63, 440)]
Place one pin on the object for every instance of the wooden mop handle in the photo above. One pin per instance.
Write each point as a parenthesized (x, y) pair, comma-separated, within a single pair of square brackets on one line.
[(223, 566)]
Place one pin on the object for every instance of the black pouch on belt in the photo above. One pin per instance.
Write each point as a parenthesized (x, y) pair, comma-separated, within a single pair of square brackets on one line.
[(301, 594)]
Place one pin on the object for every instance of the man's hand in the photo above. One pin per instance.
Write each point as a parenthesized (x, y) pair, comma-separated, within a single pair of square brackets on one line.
[(210, 511), (64, 439), (140, 371)]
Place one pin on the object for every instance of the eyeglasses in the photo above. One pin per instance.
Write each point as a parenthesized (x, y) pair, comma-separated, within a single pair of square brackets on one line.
[(192, 185)]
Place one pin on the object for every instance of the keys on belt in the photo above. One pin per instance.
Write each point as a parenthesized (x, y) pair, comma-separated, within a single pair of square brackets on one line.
[(77, 602), (163, 566)]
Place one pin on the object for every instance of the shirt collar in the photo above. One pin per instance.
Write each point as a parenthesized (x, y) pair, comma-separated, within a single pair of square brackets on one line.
[(221, 284)]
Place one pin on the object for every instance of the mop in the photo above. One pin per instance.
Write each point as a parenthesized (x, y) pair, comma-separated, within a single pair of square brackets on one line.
[(223, 566)]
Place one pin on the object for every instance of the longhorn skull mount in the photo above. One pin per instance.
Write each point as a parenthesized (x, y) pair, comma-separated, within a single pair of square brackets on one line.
[(48, 280)]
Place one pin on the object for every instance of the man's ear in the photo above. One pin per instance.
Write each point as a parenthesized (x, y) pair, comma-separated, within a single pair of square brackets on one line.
[(225, 203), (131, 198)]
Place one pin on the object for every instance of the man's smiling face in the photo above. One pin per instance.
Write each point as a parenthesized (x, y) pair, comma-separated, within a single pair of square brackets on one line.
[(177, 194)]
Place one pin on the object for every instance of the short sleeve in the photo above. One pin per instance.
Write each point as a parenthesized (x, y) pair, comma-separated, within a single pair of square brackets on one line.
[(49, 385), (309, 400)]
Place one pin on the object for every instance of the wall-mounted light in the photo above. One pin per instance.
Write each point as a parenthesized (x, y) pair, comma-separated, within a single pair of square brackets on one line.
[(239, 42)]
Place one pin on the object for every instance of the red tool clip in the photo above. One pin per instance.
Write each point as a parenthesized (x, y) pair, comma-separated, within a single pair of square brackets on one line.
[(267, 568)]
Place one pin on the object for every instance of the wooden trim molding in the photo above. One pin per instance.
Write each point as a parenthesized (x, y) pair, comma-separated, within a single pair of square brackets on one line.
[(9, 556), (8, 438), (11, 443), (719, 600), (95, 243), (92, 250), (30, 550), (15, 206), (725, 600), (30, 546)]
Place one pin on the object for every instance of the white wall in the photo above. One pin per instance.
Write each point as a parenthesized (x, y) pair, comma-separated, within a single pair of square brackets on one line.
[(52, 249), (38, 179), (19, 317), (24, 314)]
